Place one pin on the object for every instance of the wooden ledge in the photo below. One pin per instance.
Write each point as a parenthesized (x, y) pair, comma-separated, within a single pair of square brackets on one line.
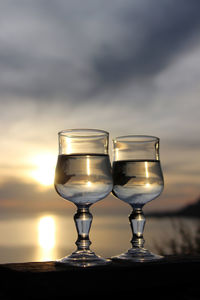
[(175, 277)]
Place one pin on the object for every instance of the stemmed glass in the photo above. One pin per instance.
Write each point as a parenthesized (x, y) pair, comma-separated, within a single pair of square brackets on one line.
[(138, 179), (83, 176)]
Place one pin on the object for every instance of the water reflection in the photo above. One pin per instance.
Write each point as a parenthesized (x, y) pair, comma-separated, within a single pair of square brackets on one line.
[(46, 237), (50, 237)]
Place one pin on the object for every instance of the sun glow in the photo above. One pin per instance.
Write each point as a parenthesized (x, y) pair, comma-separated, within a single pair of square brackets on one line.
[(44, 168)]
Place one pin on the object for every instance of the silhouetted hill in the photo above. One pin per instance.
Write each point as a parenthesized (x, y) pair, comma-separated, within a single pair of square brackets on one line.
[(192, 210)]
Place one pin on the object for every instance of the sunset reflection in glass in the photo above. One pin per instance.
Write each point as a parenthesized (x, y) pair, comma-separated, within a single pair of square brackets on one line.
[(138, 179), (83, 176)]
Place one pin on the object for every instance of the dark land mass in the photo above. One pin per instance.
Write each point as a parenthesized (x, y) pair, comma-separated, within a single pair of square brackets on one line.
[(192, 210)]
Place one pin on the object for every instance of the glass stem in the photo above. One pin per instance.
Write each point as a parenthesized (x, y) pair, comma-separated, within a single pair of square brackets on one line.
[(83, 219), (137, 222)]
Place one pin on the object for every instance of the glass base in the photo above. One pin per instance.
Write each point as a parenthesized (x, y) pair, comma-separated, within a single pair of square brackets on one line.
[(137, 255), (83, 258)]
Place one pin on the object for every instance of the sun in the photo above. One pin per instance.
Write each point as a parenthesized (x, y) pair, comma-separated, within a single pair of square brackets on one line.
[(43, 168)]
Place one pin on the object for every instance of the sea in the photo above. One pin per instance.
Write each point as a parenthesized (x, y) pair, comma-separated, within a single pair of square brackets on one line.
[(48, 237)]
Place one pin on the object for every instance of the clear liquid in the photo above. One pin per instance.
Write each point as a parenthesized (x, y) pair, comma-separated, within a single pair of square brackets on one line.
[(83, 179), (137, 181)]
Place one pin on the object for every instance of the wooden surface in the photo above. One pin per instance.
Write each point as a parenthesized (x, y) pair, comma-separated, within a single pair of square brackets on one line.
[(172, 278)]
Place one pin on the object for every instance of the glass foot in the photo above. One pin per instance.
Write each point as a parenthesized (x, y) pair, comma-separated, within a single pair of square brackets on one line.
[(137, 255), (83, 259)]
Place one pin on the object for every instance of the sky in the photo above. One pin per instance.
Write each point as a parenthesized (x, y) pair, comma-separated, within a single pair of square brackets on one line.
[(128, 67)]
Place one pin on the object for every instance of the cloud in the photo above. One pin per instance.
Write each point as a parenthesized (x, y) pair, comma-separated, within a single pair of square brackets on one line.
[(18, 196), (129, 67), (67, 50), (153, 35)]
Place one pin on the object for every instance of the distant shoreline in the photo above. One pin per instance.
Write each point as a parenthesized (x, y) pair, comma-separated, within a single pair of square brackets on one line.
[(192, 210)]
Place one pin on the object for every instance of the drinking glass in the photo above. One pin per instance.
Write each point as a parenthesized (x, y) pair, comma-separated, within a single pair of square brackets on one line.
[(138, 179), (83, 176)]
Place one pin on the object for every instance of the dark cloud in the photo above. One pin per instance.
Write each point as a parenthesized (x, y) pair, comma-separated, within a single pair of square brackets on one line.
[(141, 58), (18, 196), (70, 50), (164, 29)]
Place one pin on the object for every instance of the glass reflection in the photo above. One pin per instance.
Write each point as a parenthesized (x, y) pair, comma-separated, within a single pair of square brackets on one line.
[(46, 237)]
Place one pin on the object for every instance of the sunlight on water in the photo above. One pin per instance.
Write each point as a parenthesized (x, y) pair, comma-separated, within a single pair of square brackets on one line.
[(46, 237), (50, 237)]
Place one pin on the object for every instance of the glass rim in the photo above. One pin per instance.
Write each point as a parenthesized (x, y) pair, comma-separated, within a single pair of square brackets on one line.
[(137, 138), (83, 132)]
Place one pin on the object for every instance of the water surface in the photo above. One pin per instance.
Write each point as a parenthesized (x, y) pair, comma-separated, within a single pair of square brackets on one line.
[(49, 237)]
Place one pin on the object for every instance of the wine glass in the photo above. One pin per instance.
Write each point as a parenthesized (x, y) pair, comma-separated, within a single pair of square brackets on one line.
[(83, 176), (138, 179)]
